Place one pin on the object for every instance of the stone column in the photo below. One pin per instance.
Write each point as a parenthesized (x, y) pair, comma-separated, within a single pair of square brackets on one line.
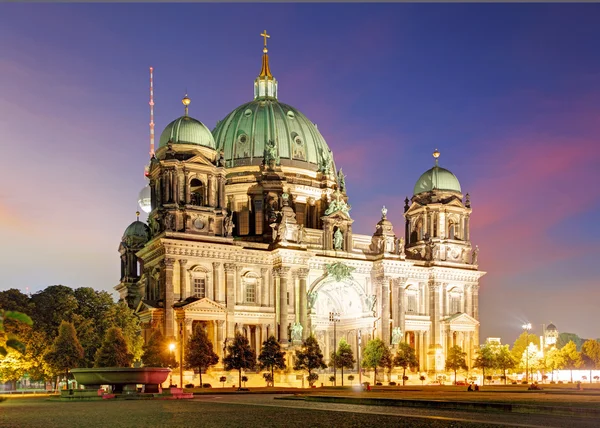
[(220, 324), (302, 300), (423, 351), (218, 283), (221, 184), (466, 233), (211, 190), (434, 313), (183, 293), (186, 187), (476, 315), (385, 310), (264, 289), (230, 269), (468, 300), (257, 341), (282, 273), (239, 299), (167, 265), (402, 307), (263, 332)]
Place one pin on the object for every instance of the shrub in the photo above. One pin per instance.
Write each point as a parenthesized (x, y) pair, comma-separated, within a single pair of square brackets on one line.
[(392, 383), (312, 378), (560, 381), (189, 385), (378, 384), (404, 377), (331, 379), (524, 382), (552, 381), (206, 385), (351, 378)]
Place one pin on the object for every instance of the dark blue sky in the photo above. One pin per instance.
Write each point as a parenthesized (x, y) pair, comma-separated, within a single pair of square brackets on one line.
[(509, 93)]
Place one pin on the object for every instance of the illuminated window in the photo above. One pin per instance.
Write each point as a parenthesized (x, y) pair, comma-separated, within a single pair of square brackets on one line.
[(200, 287), (250, 290), (411, 303)]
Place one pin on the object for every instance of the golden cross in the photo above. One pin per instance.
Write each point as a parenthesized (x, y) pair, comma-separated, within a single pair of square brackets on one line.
[(265, 36)]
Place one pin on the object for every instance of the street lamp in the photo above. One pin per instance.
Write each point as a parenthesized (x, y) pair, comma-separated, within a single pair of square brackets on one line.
[(526, 328), (358, 358), (171, 350), (334, 317)]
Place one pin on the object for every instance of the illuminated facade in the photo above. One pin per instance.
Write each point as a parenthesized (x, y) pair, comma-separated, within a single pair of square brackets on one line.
[(250, 230)]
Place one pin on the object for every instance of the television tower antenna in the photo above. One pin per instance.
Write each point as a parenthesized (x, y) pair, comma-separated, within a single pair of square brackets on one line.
[(151, 112)]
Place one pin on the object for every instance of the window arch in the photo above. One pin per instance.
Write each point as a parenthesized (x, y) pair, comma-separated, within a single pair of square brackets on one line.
[(196, 192), (412, 300), (199, 284), (250, 286), (455, 301)]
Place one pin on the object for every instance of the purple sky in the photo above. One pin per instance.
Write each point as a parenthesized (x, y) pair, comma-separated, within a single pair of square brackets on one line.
[(509, 94)]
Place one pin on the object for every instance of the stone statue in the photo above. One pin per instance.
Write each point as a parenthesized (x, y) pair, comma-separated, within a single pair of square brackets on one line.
[(153, 225), (270, 155), (475, 255), (338, 239), (274, 227), (312, 298), (396, 335), (228, 225), (221, 158), (297, 332), (282, 230), (169, 221), (384, 212), (401, 246), (341, 180), (301, 234)]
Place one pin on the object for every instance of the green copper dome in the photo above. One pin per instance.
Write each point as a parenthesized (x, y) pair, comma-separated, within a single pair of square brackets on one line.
[(138, 230), (437, 178), (187, 130), (243, 133)]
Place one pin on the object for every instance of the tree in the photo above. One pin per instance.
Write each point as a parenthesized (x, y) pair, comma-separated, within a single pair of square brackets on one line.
[(199, 351), (522, 343), (571, 357), (240, 356), (457, 360), (376, 354), (120, 315), (9, 340), (53, 305), (309, 357), (157, 352), (554, 360), (591, 355), (271, 357), (405, 358), (564, 338), (13, 366), (114, 351), (505, 360), (485, 359), (66, 351), (343, 357)]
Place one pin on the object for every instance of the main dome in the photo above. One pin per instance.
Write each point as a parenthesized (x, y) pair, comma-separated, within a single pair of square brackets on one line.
[(243, 133)]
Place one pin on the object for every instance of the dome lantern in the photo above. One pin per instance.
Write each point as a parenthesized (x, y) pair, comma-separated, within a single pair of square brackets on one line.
[(265, 85)]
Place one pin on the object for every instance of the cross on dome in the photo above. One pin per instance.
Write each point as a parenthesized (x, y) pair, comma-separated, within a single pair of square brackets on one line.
[(265, 36)]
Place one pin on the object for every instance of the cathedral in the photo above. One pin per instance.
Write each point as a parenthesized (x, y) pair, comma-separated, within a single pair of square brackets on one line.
[(250, 230)]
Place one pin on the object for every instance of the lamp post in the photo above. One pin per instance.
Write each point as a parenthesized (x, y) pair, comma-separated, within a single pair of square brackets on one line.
[(526, 328), (181, 354), (334, 317), (358, 358), (171, 350)]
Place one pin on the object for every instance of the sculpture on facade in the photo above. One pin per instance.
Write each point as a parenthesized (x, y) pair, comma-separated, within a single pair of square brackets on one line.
[(228, 225), (371, 301), (312, 298), (220, 161), (338, 239), (384, 212), (339, 271), (270, 155), (297, 332), (169, 222), (475, 255), (338, 204), (282, 230), (341, 180), (400, 249), (301, 234), (396, 335)]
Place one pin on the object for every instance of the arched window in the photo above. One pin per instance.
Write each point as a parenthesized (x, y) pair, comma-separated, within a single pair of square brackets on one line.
[(451, 229), (196, 192), (412, 300), (199, 283)]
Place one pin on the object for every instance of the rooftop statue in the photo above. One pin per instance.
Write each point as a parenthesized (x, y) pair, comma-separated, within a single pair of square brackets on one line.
[(338, 239)]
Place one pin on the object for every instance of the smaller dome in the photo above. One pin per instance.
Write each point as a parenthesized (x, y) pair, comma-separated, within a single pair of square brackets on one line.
[(137, 230), (437, 178), (551, 327), (187, 130)]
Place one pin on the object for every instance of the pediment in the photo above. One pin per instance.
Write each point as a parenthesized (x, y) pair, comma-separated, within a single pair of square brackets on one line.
[(337, 216), (147, 305), (459, 320), (201, 160), (203, 305)]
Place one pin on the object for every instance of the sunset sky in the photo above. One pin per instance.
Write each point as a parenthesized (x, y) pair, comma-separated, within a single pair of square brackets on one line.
[(509, 94)]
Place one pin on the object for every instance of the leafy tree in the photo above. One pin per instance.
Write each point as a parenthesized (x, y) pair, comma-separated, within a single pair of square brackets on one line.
[(554, 360), (591, 355), (9, 340), (240, 356), (522, 343), (457, 360), (66, 351), (405, 358), (376, 354), (271, 357), (268, 377), (505, 360), (53, 305), (309, 357), (571, 357), (343, 357), (422, 379), (14, 300), (13, 366), (485, 359), (114, 351), (222, 379), (565, 338), (199, 351), (157, 353), (120, 315), (351, 379)]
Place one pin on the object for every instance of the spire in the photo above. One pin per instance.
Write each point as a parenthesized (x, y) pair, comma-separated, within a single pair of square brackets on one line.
[(436, 155), (137, 214), (265, 85), (186, 101)]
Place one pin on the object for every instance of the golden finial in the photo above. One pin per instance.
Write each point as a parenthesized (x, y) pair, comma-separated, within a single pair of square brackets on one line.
[(265, 71), (436, 155), (186, 101), (137, 214)]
